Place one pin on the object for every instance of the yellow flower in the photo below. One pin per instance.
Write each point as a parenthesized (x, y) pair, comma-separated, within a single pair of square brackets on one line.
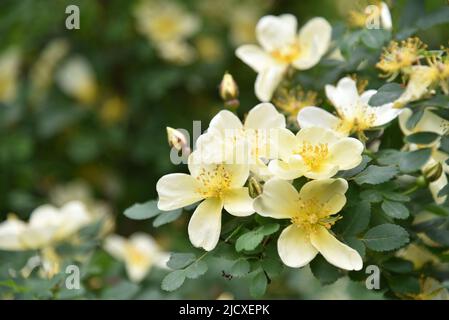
[(252, 143), (312, 214), (139, 253), (168, 26), (76, 78), (113, 110), (9, 71), (220, 185), (47, 225), (398, 58), (294, 100), (429, 122), (364, 16), (281, 47), (316, 153), (354, 113)]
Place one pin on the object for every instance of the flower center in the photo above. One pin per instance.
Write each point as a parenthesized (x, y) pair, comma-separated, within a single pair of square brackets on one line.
[(136, 256), (311, 214), (214, 182), (313, 155), (288, 53)]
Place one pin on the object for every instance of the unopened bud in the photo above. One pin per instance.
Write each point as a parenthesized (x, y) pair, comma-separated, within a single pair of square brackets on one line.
[(255, 188), (434, 172), (421, 182), (177, 140), (229, 91)]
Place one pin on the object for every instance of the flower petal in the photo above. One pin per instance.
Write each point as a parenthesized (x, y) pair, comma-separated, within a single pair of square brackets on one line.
[(205, 224), (10, 231), (238, 202), (177, 190), (276, 32), (284, 170), (255, 57), (267, 81), (346, 153), (344, 97), (317, 117), (385, 16), (436, 186), (317, 135), (335, 252), (294, 247), (328, 192), (225, 120), (277, 201), (115, 245), (264, 116), (316, 30)]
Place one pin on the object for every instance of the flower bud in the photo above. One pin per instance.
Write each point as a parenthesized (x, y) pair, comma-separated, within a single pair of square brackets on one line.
[(177, 140), (434, 172), (255, 188), (229, 91)]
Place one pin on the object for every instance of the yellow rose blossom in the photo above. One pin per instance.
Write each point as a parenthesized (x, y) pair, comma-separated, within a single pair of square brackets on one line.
[(316, 153), (429, 122), (398, 57), (9, 71), (354, 114), (312, 212), (292, 101), (282, 46), (252, 143), (76, 78), (139, 253), (219, 185)]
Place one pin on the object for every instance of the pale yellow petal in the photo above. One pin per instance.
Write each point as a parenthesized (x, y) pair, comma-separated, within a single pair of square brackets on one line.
[(238, 202), (278, 200), (268, 80), (177, 190), (346, 153), (294, 247), (317, 117), (255, 57), (264, 116), (276, 32), (328, 192)]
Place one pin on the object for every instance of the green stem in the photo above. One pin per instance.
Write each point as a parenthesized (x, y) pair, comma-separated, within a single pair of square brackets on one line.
[(233, 233), (410, 190)]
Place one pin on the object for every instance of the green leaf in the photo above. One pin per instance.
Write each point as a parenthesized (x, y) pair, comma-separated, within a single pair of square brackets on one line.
[(248, 241), (240, 268), (173, 280), (376, 174), (387, 93), (180, 260), (395, 210), (389, 157), (122, 290), (385, 237), (444, 191), (398, 265), (436, 17), (141, 211), (439, 235), (374, 38), (414, 119), (166, 217), (273, 267), (395, 196), (424, 137), (404, 284), (324, 271), (268, 229), (196, 269), (258, 284), (371, 195), (355, 219), (414, 160)]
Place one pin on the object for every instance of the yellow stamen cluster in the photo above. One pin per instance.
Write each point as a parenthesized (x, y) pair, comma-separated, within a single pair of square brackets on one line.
[(291, 101), (287, 54), (136, 256), (439, 65), (313, 155), (312, 213), (397, 57), (214, 182)]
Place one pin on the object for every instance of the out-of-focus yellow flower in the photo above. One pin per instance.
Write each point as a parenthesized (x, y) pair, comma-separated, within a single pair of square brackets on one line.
[(416, 254), (242, 23), (430, 122), (371, 12), (291, 101), (219, 185), (167, 25), (399, 57), (312, 213), (354, 113), (209, 48), (139, 253), (282, 46), (76, 78), (112, 110), (42, 71), (430, 289), (47, 225), (225, 296), (9, 71), (316, 153)]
